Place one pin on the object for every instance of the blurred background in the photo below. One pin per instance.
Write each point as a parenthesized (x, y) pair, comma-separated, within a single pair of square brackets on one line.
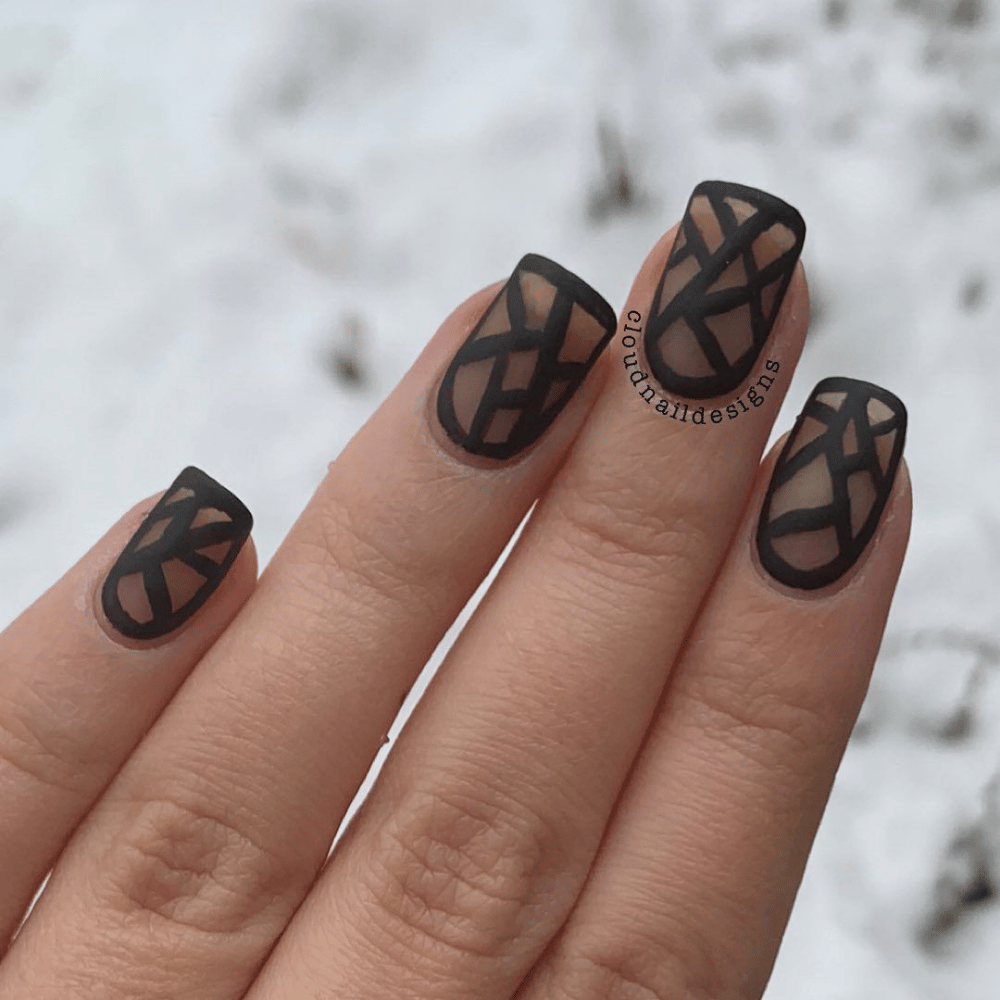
[(227, 228)]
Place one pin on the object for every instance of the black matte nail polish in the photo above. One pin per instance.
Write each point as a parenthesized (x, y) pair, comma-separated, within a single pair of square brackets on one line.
[(831, 483), (525, 359), (177, 559), (721, 290)]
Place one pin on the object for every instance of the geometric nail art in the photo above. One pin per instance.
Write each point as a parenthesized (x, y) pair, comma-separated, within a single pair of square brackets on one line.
[(524, 360), (177, 558), (722, 288), (831, 483)]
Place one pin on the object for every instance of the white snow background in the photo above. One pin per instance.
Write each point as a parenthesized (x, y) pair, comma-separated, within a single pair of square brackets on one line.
[(213, 211)]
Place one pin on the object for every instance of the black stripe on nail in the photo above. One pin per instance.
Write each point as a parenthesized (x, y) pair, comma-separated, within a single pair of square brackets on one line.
[(722, 288), (831, 483), (176, 560), (525, 359)]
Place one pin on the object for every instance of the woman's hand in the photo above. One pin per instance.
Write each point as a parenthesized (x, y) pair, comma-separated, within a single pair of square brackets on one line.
[(610, 787)]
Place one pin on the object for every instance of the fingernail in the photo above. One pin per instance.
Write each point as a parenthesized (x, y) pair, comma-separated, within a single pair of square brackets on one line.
[(524, 360), (831, 483), (722, 288), (177, 559)]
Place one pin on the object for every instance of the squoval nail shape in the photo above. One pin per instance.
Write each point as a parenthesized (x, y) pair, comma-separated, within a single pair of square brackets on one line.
[(176, 560), (722, 288), (524, 360), (831, 483)]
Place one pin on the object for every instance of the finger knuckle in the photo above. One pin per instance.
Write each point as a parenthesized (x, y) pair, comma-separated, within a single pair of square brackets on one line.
[(33, 746), (179, 865), (634, 541), (756, 707), (628, 966), (352, 554), (456, 875)]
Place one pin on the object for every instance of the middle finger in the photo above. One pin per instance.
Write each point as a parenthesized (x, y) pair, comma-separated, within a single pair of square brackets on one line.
[(471, 851)]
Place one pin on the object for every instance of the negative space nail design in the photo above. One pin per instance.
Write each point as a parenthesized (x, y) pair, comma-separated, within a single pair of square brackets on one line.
[(525, 359), (721, 290), (177, 559), (831, 483)]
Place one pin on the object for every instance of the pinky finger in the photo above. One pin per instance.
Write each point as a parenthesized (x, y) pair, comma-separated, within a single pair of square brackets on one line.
[(86, 670), (696, 878)]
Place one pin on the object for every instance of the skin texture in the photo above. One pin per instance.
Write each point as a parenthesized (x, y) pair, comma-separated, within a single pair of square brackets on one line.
[(609, 789)]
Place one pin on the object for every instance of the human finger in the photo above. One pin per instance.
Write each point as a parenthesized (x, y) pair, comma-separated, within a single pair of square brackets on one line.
[(695, 880), (92, 663)]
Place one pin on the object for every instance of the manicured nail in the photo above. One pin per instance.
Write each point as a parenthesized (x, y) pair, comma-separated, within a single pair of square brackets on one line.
[(721, 290), (831, 483), (177, 559), (524, 360)]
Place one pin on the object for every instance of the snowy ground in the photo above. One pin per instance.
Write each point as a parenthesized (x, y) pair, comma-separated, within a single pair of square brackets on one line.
[(200, 201)]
